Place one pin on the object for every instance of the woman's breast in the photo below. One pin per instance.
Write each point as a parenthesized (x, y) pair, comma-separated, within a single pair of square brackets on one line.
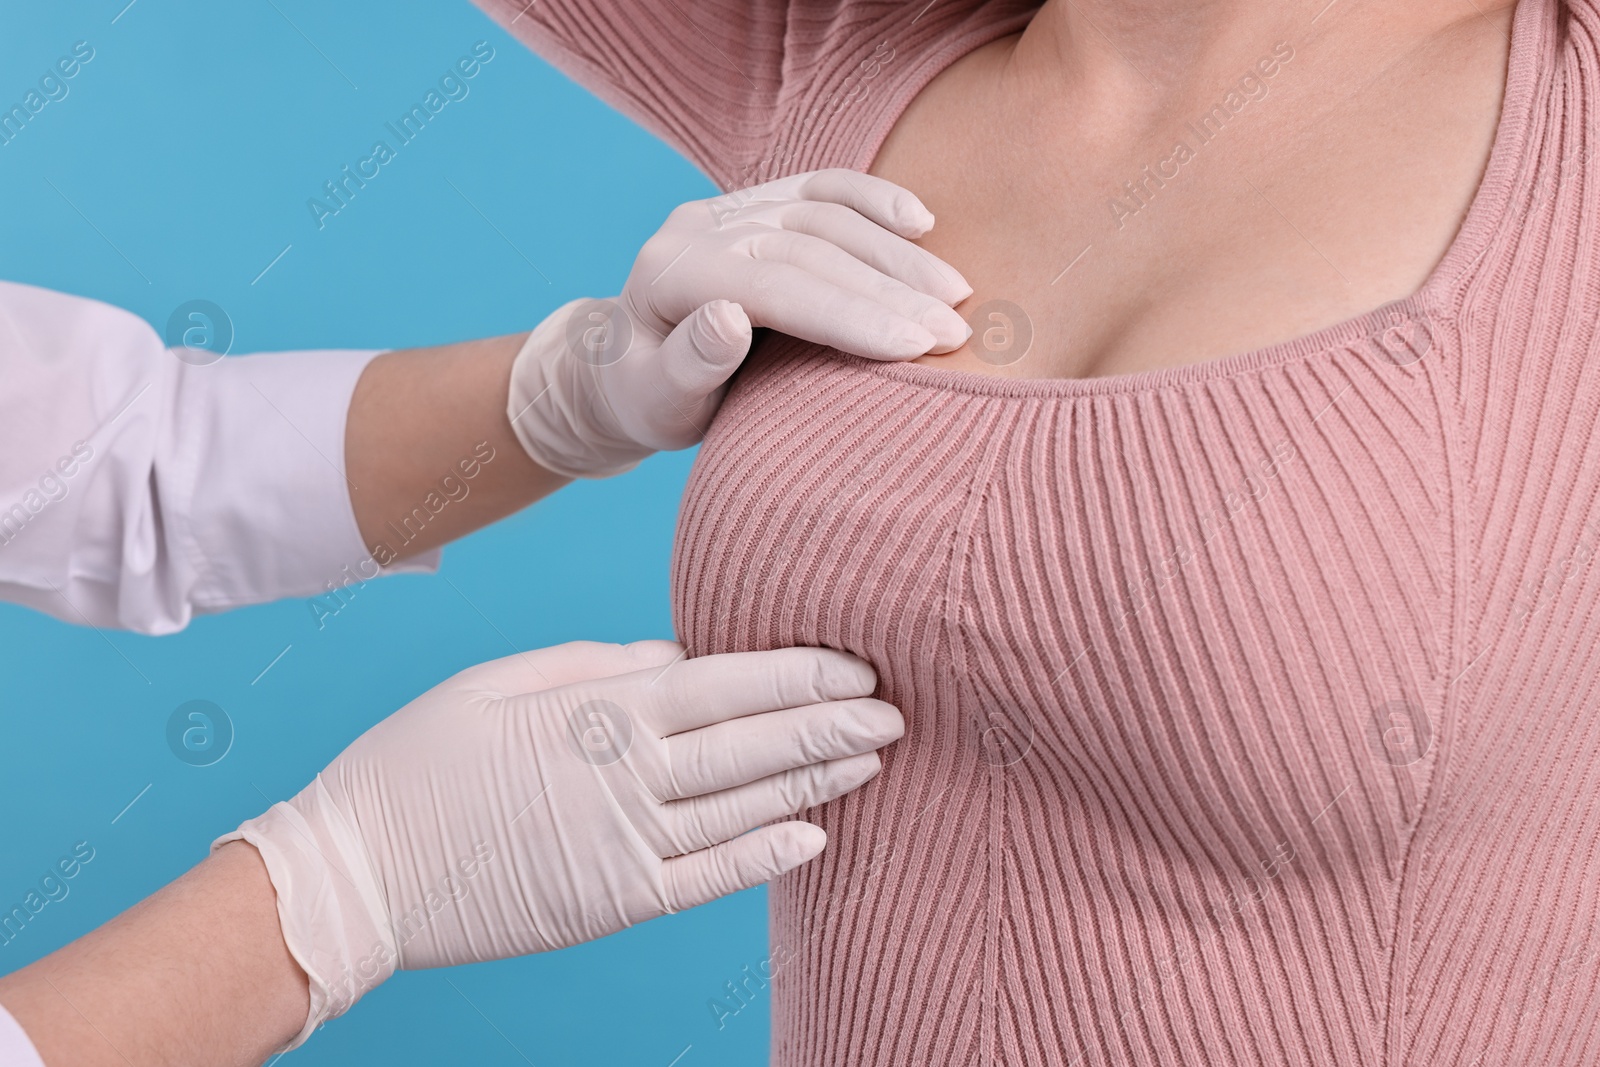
[(1125, 574), (823, 509), (1143, 639)]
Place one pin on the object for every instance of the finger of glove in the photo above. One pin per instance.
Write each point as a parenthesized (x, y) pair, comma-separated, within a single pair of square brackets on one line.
[(701, 822), (673, 421), (576, 661), (704, 690), (876, 246), (732, 753), (701, 354), (750, 860), (676, 421), (704, 411), (797, 302), (835, 265), (879, 199)]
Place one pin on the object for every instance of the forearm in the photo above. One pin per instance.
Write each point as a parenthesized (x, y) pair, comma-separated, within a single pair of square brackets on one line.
[(197, 974), (420, 420)]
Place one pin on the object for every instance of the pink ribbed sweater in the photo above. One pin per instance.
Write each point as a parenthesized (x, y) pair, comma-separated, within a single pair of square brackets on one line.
[(1252, 706)]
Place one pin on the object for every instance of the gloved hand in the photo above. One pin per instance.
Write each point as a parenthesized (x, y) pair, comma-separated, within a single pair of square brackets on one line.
[(557, 796), (824, 256)]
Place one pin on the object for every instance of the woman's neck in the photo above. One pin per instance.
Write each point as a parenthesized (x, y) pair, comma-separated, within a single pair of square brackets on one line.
[(1165, 189), (1129, 63)]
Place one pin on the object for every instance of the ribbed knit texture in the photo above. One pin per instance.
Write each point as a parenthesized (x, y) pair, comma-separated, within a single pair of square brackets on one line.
[(1251, 706)]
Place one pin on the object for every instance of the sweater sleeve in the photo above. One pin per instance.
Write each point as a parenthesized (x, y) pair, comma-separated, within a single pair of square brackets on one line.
[(752, 90), (703, 76)]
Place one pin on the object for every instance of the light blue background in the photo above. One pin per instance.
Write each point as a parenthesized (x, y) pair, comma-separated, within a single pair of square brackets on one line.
[(191, 142)]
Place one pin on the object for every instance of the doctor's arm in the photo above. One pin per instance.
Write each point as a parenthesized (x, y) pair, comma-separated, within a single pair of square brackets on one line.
[(827, 256), (471, 825), (138, 488), (206, 949)]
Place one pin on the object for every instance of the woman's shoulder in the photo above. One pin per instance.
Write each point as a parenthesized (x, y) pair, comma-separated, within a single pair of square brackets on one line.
[(853, 66), (729, 83), (696, 73)]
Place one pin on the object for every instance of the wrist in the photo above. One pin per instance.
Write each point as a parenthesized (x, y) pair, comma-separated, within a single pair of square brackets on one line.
[(330, 907), (428, 445), (556, 404), (282, 990)]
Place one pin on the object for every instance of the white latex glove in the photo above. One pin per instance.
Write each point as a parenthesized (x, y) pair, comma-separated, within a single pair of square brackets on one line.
[(825, 256), (557, 796)]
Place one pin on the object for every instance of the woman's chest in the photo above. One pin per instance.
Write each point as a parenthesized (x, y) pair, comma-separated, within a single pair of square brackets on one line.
[(1088, 578), (1299, 190)]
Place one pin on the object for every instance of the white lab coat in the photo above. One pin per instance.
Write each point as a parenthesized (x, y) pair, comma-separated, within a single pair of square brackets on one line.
[(137, 489), (15, 1048)]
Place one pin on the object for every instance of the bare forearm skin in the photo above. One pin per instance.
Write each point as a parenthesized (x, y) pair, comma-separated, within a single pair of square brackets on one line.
[(420, 416), (197, 974)]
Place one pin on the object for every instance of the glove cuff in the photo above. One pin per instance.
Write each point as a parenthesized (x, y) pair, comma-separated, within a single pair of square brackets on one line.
[(555, 404), (330, 906)]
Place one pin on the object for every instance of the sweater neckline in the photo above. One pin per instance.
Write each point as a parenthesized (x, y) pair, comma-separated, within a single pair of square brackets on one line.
[(1531, 26)]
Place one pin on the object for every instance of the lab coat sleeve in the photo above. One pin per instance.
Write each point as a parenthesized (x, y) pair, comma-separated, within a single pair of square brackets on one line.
[(138, 489), (15, 1048)]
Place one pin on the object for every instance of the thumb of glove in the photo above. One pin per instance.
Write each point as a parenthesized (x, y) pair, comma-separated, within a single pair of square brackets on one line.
[(704, 350)]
